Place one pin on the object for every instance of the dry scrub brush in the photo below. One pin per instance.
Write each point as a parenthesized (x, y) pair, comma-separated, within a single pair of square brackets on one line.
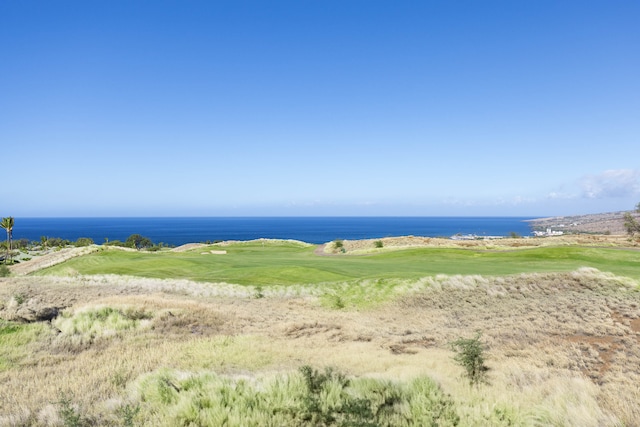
[(563, 349)]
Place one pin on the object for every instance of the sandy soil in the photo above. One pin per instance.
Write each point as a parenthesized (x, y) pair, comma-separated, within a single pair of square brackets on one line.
[(188, 247)]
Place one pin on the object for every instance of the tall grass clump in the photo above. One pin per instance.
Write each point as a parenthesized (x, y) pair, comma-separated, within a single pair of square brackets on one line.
[(85, 326), (15, 339), (309, 397)]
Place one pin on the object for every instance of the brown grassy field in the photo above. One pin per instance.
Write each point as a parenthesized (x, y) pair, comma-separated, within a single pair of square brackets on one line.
[(562, 348)]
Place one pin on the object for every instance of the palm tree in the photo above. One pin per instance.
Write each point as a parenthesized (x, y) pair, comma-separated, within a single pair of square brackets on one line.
[(7, 224)]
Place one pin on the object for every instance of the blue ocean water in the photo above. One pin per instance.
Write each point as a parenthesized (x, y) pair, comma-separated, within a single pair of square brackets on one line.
[(178, 231)]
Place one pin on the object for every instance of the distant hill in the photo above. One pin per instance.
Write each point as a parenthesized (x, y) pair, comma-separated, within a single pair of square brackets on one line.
[(605, 223)]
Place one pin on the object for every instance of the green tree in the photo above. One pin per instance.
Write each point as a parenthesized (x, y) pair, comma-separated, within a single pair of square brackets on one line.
[(7, 223), (84, 241), (470, 355), (139, 242), (631, 224)]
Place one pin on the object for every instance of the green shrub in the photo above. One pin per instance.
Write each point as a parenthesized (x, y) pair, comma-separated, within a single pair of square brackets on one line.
[(20, 298), (309, 398), (338, 302), (68, 412), (378, 244), (129, 415), (4, 271), (20, 244), (83, 241), (259, 292), (138, 242), (338, 244), (470, 355), (631, 224), (56, 241)]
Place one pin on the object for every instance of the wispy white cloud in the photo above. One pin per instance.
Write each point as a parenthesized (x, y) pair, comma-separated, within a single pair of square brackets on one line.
[(501, 201), (611, 184), (559, 195)]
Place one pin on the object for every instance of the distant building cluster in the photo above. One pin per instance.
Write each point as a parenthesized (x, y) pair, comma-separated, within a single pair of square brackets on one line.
[(473, 237), (548, 232)]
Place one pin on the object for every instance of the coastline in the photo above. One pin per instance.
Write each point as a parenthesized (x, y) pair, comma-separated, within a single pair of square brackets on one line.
[(611, 223), (316, 230)]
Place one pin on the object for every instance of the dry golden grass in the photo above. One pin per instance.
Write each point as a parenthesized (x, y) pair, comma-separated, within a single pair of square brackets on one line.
[(365, 246), (563, 349)]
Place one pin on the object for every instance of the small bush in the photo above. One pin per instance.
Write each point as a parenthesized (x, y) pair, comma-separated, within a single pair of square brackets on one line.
[(378, 244), (4, 271), (258, 292), (338, 244), (20, 244), (129, 414), (83, 241), (338, 302), (56, 241), (20, 298), (69, 414), (470, 355)]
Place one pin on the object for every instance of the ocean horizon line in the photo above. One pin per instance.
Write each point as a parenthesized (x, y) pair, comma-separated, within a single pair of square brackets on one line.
[(181, 230), (280, 216)]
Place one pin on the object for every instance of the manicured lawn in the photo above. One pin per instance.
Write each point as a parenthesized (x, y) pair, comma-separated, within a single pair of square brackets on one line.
[(287, 263)]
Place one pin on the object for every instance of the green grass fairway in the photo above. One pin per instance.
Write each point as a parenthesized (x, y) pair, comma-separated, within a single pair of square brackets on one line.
[(287, 263)]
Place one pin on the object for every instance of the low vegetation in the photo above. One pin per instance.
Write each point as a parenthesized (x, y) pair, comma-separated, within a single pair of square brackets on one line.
[(307, 397), (269, 333)]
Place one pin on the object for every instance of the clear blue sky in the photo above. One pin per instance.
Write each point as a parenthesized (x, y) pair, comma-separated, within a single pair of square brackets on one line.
[(319, 107)]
